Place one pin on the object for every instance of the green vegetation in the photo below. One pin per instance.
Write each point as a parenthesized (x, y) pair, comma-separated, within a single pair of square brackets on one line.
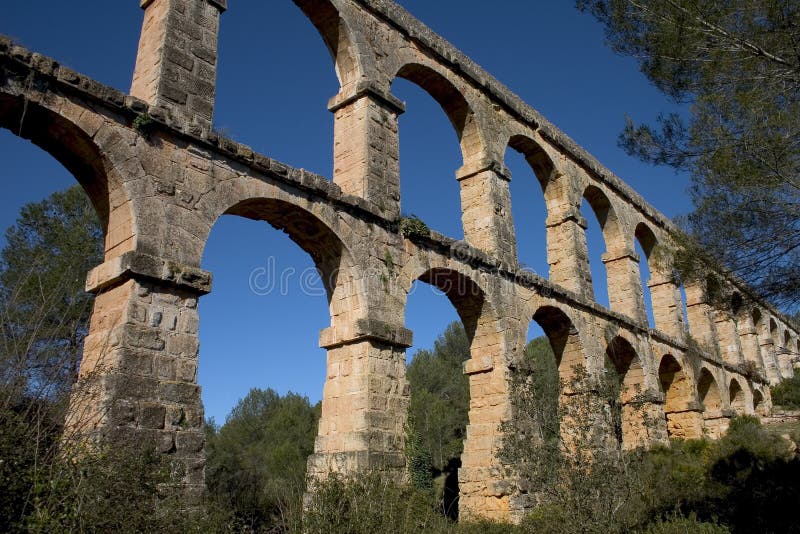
[(143, 123), (735, 64), (257, 459), (413, 226), (44, 310), (787, 393), (438, 414), (743, 482)]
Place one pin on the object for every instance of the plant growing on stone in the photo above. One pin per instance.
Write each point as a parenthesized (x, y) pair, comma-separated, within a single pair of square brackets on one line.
[(413, 226), (143, 123)]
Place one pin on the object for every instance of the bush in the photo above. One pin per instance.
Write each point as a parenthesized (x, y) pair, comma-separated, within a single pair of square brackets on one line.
[(683, 525), (787, 393), (257, 460), (370, 504), (744, 482), (47, 488)]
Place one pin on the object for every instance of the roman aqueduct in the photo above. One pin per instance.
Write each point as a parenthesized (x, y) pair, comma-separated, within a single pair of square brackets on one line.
[(159, 177)]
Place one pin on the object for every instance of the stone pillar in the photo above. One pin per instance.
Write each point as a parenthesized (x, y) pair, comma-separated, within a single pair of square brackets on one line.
[(728, 338), (684, 421), (625, 293), (567, 252), (667, 305), (770, 360), (748, 338), (643, 423), (484, 490), (176, 66), (784, 358), (366, 146), (716, 423), (365, 401), (486, 210), (137, 384), (699, 315)]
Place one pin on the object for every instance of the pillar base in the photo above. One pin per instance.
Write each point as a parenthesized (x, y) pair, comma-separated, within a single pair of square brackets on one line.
[(685, 425)]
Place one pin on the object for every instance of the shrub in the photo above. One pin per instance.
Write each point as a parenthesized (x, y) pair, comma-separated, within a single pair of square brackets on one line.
[(370, 504), (413, 226), (787, 393), (682, 525)]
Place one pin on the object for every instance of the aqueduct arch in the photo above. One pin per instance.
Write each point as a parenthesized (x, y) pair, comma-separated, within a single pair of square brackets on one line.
[(76, 142), (161, 178), (680, 405)]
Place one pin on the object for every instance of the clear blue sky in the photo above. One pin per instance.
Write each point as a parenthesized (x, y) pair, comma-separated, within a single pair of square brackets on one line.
[(275, 78)]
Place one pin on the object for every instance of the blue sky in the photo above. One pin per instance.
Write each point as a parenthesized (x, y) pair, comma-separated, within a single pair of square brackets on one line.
[(275, 78)]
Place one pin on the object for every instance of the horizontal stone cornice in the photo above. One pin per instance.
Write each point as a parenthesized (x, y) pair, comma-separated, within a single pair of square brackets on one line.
[(138, 266), (366, 330), (366, 90), (222, 5)]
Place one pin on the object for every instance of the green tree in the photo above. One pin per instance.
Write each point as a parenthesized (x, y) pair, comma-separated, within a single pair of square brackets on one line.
[(545, 386), (736, 64), (440, 396), (787, 393), (44, 313), (44, 308), (257, 459)]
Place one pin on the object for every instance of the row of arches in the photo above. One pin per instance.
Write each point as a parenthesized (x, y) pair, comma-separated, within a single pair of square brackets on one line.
[(317, 231), (319, 234), (749, 335)]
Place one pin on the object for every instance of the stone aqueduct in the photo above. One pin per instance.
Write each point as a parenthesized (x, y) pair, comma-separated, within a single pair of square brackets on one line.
[(159, 178)]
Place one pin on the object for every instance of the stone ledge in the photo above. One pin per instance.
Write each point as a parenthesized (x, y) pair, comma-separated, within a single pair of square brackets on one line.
[(475, 366), (468, 170), (222, 5), (690, 406), (362, 90), (572, 214), (610, 257), (134, 265), (366, 330)]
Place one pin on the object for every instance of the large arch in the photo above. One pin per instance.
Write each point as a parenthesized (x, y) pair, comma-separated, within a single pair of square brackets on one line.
[(453, 103), (787, 355), (482, 184), (329, 253), (760, 406), (773, 358), (679, 399), (625, 387), (606, 216), (72, 144), (530, 208), (736, 397), (648, 242), (345, 394), (568, 410), (709, 394), (264, 331), (488, 385), (564, 340), (708, 391), (762, 337), (613, 245), (78, 138), (341, 38)]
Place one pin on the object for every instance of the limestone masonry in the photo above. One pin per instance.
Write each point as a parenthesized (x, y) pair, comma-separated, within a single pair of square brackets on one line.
[(159, 178)]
